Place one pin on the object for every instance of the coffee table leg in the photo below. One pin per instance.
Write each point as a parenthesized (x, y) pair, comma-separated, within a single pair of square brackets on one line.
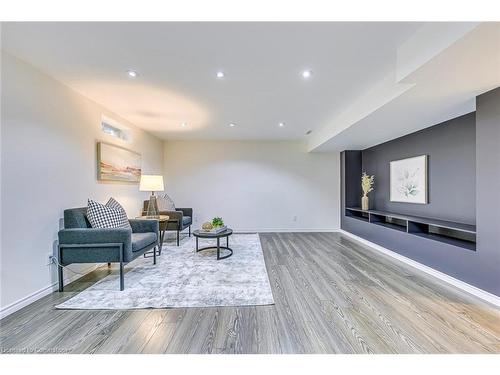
[(196, 244), (227, 241), (218, 248)]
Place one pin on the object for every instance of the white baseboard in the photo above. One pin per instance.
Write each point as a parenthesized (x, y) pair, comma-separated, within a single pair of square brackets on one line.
[(475, 291), (25, 301)]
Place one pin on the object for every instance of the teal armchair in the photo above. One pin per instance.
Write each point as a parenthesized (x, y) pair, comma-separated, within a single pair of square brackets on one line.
[(80, 243)]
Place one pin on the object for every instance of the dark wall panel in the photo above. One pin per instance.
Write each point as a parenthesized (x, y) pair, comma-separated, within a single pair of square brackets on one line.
[(350, 189), (451, 150), (487, 268), (353, 164)]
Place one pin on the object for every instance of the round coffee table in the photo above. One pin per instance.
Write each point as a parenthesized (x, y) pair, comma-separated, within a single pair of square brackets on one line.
[(218, 236)]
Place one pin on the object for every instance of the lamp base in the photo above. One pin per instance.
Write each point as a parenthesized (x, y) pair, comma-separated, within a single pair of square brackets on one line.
[(152, 211)]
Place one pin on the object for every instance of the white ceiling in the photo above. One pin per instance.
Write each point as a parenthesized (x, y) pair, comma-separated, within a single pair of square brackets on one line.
[(177, 63), (439, 73), (371, 81)]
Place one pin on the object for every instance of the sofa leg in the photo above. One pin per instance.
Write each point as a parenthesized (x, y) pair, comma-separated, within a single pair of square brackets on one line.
[(109, 265), (60, 276), (177, 238), (60, 269), (122, 282)]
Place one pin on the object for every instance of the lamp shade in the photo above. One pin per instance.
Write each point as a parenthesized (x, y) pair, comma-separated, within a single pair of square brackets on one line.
[(151, 183)]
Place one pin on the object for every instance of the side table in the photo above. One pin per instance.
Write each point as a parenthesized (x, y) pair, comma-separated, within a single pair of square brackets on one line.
[(162, 221)]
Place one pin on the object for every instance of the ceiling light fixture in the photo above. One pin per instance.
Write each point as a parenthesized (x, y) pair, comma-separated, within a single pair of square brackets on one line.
[(132, 73), (281, 124), (183, 124), (232, 125), (307, 74), (220, 74)]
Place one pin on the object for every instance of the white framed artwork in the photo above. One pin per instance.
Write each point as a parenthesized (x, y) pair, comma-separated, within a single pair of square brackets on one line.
[(408, 180)]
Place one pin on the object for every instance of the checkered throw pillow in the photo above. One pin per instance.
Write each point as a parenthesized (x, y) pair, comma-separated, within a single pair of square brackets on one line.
[(110, 215)]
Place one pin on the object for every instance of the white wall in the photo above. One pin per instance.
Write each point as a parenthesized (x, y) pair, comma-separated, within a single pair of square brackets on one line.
[(48, 156), (48, 163), (254, 185)]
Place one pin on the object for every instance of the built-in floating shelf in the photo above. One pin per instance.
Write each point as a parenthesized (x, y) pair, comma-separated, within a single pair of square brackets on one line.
[(388, 221), (357, 213), (451, 233)]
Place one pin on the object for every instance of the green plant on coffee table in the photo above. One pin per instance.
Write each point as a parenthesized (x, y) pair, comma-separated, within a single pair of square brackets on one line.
[(217, 222)]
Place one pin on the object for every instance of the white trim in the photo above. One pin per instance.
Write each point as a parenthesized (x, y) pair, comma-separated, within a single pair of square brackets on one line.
[(475, 291), (33, 297)]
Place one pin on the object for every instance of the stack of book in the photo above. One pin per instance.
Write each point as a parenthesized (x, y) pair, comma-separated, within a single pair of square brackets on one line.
[(215, 230)]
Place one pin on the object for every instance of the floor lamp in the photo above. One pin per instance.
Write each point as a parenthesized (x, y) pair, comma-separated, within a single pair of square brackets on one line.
[(151, 183)]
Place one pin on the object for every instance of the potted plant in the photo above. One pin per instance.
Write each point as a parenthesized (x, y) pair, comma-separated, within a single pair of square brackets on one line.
[(217, 222)]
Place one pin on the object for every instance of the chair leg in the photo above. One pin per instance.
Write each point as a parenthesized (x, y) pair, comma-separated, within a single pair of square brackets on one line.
[(60, 276), (154, 255), (190, 231), (178, 238), (122, 281), (60, 270)]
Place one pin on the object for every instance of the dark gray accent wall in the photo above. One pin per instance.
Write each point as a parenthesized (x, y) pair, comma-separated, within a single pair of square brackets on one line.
[(350, 191), (480, 193), (487, 267), (451, 150)]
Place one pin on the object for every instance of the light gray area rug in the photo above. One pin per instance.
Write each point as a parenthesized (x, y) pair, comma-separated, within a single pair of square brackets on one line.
[(183, 278)]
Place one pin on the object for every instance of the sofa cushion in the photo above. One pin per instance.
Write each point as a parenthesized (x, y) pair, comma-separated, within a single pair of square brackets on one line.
[(76, 218), (186, 220), (141, 240)]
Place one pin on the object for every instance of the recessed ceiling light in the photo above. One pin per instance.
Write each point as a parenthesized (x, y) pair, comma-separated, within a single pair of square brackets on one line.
[(307, 74), (183, 124), (281, 124), (232, 125), (132, 73), (220, 74), (309, 132)]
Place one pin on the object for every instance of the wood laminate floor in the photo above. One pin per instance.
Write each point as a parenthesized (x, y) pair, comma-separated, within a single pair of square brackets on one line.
[(332, 295)]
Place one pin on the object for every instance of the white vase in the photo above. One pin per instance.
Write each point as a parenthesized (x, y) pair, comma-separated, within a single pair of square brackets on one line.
[(364, 203)]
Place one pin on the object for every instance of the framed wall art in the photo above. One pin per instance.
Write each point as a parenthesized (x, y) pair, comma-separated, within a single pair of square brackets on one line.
[(408, 180)]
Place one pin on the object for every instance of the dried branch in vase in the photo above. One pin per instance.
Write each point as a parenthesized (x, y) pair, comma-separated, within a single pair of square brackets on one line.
[(367, 183)]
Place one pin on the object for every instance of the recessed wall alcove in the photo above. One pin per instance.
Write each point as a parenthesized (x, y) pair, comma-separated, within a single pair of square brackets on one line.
[(446, 233)]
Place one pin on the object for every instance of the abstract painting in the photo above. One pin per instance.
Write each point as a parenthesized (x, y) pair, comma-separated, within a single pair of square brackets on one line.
[(408, 180), (115, 163)]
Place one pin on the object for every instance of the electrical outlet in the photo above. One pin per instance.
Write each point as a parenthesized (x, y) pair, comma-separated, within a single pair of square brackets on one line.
[(49, 258), (294, 218)]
